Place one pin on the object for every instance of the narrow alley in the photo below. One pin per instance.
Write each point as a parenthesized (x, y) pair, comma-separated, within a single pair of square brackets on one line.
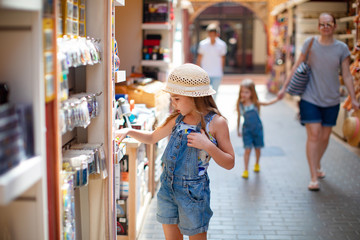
[(275, 203)]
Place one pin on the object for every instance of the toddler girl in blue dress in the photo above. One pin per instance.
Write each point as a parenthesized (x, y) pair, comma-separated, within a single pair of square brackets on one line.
[(248, 106), (197, 132)]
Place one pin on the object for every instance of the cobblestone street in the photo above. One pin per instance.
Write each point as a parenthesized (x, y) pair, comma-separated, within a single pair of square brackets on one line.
[(275, 203)]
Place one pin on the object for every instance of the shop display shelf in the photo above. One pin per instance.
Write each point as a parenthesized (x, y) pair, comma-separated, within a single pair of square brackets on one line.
[(27, 5), (119, 3), (344, 36), (155, 63), (19, 179), (346, 19), (156, 26), (122, 237)]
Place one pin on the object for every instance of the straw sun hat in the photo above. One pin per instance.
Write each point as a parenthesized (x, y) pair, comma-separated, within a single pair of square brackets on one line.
[(189, 80), (351, 128)]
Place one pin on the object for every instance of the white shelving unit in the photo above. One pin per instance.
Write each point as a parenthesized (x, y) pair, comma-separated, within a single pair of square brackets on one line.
[(165, 30), (23, 190), (155, 63), (19, 179), (156, 26), (92, 202), (27, 5), (119, 3)]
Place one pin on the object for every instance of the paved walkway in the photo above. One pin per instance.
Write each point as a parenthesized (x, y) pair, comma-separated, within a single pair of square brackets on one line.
[(275, 203)]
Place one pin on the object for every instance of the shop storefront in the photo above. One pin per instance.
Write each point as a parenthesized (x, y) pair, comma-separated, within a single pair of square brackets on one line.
[(295, 21)]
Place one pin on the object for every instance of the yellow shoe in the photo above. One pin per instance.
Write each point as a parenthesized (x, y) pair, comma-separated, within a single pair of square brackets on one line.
[(257, 168), (245, 174)]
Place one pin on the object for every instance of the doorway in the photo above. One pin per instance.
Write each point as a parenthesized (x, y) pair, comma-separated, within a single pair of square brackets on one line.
[(237, 31)]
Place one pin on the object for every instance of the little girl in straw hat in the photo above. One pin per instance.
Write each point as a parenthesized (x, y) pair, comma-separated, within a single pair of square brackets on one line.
[(197, 132)]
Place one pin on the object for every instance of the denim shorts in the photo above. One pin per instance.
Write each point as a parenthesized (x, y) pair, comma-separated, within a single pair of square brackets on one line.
[(253, 138), (185, 202), (310, 113)]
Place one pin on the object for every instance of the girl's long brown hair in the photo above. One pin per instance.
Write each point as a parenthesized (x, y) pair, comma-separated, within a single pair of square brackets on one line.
[(249, 84), (203, 105)]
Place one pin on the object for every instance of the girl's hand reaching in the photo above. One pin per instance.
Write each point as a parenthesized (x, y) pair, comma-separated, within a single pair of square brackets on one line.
[(122, 133), (198, 140)]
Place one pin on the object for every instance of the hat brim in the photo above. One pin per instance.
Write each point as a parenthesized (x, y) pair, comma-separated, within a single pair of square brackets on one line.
[(202, 93)]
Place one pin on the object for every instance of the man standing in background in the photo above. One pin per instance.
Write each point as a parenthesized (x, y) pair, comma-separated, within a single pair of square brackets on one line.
[(211, 56)]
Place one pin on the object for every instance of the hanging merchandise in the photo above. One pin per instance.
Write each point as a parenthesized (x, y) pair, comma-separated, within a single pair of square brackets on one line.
[(75, 114), (71, 16), (60, 21), (68, 202), (82, 18), (79, 51), (116, 56), (78, 110), (93, 105), (77, 163), (98, 151), (48, 55)]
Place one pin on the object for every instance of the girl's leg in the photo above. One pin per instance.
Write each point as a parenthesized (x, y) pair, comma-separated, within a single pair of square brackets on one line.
[(247, 158), (200, 236), (246, 161), (257, 153), (172, 232)]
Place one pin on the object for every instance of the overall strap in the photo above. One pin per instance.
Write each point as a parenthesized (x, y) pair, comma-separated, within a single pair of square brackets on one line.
[(242, 109), (208, 118), (177, 121)]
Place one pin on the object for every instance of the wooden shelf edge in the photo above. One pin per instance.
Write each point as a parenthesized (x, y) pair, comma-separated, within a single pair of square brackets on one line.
[(122, 237), (19, 179), (131, 142)]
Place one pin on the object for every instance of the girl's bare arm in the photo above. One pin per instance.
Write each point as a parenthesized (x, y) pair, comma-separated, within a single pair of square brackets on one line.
[(147, 137), (272, 101)]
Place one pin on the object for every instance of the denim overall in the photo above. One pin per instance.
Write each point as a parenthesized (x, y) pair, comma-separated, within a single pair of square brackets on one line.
[(252, 129), (184, 196)]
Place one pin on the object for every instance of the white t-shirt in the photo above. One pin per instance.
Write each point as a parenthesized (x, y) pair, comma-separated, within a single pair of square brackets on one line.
[(212, 56)]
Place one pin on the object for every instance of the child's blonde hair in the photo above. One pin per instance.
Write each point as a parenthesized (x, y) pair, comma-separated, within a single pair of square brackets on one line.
[(249, 84), (202, 104)]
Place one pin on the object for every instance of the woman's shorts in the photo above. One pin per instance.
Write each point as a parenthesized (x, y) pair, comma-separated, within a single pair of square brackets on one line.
[(310, 113), (185, 202)]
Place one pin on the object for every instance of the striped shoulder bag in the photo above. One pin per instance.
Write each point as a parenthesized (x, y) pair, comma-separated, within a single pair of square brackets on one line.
[(301, 76)]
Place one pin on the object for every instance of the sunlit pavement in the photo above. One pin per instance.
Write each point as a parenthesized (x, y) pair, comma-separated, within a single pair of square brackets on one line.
[(275, 203)]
